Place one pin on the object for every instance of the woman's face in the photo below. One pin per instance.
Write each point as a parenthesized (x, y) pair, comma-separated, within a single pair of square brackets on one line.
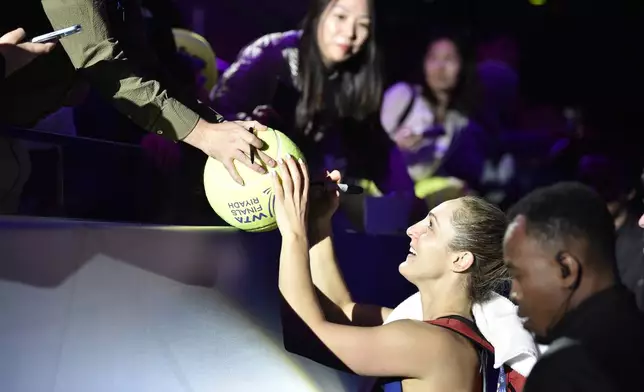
[(442, 66), (343, 30), (429, 254)]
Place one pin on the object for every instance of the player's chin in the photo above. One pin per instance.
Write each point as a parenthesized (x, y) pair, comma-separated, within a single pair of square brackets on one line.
[(404, 268)]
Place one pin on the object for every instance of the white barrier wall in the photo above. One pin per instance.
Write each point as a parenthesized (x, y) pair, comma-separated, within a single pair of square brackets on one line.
[(90, 307)]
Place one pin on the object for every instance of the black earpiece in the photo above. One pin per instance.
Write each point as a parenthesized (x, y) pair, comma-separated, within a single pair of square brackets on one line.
[(565, 271)]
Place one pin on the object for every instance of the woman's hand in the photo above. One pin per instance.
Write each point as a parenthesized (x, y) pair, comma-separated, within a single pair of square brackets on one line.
[(324, 200), (291, 191)]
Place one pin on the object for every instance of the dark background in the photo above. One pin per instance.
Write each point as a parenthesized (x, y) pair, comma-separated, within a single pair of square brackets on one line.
[(570, 50)]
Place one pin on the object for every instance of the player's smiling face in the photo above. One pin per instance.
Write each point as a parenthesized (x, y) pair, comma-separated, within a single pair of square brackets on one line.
[(429, 255)]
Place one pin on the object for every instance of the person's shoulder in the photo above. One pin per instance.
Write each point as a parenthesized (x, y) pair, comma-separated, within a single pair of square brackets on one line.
[(563, 348), (429, 331), (394, 100), (400, 90), (563, 356), (430, 343), (450, 350), (448, 343), (273, 41), (566, 366)]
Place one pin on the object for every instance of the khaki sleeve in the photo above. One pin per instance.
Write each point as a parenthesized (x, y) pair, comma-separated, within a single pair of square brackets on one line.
[(99, 56)]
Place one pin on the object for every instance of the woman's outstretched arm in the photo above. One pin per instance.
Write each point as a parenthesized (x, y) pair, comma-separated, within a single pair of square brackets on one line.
[(400, 349)]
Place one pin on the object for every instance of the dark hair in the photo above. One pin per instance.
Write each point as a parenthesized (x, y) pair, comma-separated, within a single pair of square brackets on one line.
[(480, 227), (569, 211), (355, 92), (466, 91)]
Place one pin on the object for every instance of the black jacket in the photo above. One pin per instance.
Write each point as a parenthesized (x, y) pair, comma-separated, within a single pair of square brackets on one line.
[(630, 256), (599, 346)]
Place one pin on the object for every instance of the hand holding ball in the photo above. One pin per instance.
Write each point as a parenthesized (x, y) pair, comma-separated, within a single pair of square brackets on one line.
[(250, 207)]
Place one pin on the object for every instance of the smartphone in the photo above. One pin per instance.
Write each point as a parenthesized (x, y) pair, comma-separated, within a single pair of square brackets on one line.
[(56, 35)]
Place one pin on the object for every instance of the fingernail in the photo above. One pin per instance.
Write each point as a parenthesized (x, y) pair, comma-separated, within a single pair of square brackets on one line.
[(271, 162), (280, 160), (261, 169), (300, 161)]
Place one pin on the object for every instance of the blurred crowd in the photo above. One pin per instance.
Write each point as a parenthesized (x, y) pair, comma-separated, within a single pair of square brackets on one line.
[(457, 125)]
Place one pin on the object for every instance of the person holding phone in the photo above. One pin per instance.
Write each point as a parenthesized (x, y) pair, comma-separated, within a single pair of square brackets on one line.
[(15, 54), (111, 54)]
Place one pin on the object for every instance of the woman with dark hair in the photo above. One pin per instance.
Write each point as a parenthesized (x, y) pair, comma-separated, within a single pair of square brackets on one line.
[(431, 121), (322, 86), (455, 259)]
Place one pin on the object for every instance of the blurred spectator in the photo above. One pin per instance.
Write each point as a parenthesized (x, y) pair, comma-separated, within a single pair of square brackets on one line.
[(604, 126), (498, 113), (431, 121), (496, 69), (619, 186)]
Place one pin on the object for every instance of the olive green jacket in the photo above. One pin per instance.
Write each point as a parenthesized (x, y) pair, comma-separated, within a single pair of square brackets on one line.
[(110, 53)]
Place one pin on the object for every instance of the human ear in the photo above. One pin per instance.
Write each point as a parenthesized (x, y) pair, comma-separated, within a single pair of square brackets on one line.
[(463, 262)]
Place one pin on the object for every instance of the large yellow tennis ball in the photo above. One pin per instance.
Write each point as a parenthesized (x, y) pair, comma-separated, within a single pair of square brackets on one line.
[(250, 207)]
